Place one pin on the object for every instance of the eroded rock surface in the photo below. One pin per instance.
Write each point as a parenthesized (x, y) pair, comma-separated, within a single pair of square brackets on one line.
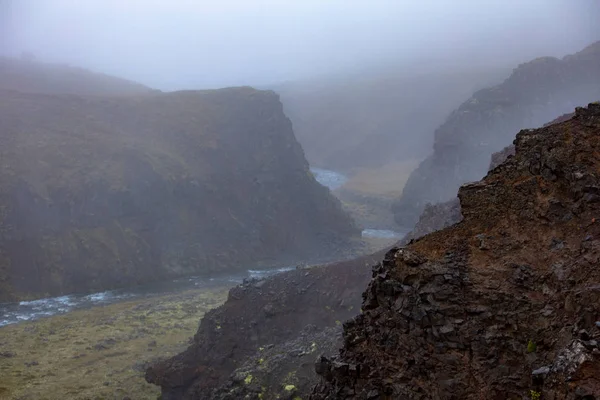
[(504, 304), (433, 218)]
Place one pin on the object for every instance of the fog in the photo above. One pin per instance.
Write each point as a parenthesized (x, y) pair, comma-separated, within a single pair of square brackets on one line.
[(191, 44)]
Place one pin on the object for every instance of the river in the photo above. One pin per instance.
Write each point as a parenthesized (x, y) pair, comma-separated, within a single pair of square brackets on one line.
[(11, 313), (334, 180)]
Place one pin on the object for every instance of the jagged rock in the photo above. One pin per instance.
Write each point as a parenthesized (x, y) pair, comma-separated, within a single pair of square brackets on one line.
[(534, 94), (441, 215), (433, 218), (471, 323), (501, 156)]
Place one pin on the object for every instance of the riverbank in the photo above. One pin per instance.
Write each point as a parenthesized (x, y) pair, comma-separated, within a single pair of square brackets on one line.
[(368, 195), (101, 352), (97, 346)]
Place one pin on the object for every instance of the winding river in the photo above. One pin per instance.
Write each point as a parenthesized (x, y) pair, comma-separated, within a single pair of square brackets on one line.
[(334, 180), (11, 313)]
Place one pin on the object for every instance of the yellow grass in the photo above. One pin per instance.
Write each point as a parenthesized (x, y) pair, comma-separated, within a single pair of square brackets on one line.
[(388, 180)]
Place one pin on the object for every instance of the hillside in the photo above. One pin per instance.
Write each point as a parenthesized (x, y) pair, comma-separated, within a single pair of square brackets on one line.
[(377, 117), (504, 304), (535, 93), (98, 193), (266, 335), (38, 77)]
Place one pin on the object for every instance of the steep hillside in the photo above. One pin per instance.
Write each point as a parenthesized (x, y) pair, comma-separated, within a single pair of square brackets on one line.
[(534, 94), (265, 338), (503, 305), (104, 192), (38, 77), (377, 117)]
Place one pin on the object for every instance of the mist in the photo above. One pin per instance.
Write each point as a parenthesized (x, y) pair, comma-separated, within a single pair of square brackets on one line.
[(204, 44)]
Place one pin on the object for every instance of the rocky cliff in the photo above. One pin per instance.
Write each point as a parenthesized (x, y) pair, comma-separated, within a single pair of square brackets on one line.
[(535, 93), (504, 304), (103, 192)]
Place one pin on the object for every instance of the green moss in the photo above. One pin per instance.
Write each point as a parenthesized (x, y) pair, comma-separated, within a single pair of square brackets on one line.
[(535, 395), (70, 367), (289, 388), (531, 346), (248, 379)]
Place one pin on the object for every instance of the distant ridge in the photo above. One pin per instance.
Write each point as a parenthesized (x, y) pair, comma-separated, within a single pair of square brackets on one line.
[(535, 93), (39, 77)]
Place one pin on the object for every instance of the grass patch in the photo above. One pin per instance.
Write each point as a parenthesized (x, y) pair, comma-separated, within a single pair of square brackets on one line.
[(102, 352)]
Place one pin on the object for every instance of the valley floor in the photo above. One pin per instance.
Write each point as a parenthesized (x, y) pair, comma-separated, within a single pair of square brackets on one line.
[(100, 353)]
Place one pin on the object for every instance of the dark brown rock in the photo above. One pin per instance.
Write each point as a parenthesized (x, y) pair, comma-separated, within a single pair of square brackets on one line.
[(473, 323)]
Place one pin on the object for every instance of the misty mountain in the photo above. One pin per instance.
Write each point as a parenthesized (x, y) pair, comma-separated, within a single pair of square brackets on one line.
[(28, 75), (99, 193), (535, 93), (380, 115)]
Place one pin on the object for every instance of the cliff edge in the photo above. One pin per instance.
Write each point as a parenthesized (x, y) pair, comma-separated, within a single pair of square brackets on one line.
[(503, 305)]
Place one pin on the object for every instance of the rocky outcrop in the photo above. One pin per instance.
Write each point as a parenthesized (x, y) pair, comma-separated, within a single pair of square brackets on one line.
[(98, 193), (504, 304), (434, 217), (439, 216), (263, 341), (501, 156), (534, 94)]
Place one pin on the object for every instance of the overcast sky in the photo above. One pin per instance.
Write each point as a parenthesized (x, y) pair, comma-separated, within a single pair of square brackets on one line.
[(172, 44)]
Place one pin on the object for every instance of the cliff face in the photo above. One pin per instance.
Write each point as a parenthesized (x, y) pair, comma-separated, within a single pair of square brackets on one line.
[(535, 93), (103, 192), (377, 117), (504, 304)]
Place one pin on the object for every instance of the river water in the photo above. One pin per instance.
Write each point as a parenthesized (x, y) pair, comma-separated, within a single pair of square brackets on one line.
[(11, 313), (334, 180)]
